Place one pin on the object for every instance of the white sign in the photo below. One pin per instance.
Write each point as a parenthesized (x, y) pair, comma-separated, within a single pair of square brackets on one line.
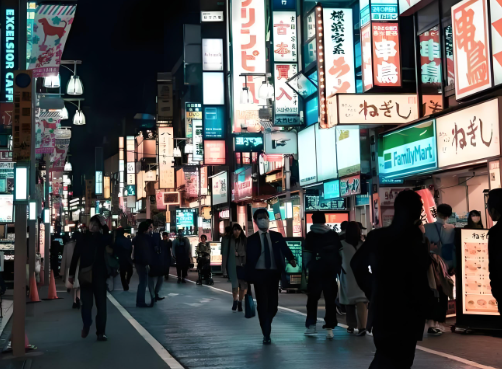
[(471, 47), (216, 16), (286, 99), (249, 56), (198, 154), (372, 109), (285, 49), (469, 134), (166, 157), (496, 16), (212, 54), (338, 51), (348, 151), (325, 142), (130, 155), (282, 142), (307, 156), (220, 188), (213, 92)]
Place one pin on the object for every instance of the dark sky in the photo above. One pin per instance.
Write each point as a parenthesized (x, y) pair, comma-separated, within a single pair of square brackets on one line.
[(122, 45)]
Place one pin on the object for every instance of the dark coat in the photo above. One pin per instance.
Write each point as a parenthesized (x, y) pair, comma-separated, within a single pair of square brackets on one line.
[(397, 287), (90, 250), (495, 259), (142, 249), (253, 252), (161, 251), (123, 249), (327, 247)]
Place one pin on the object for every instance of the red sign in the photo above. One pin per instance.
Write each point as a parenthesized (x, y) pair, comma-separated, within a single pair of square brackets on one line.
[(214, 152), (429, 210), (386, 56), (367, 67), (333, 220), (6, 110)]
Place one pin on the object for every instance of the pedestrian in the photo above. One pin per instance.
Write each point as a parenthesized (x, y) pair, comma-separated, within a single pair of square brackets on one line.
[(323, 245), (391, 253), (203, 246), (363, 230), (225, 250), (474, 220), (92, 275), (343, 227), (265, 261), (351, 295), (157, 265), (166, 246), (123, 248), (495, 245), (442, 243), (182, 252), (235, 266), (74, 288), (142, 260)]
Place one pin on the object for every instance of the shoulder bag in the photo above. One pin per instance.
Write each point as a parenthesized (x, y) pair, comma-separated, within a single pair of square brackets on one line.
[(249, 304)]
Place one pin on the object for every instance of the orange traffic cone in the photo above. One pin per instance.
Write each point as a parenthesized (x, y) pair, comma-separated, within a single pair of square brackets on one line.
[(33, 289), (52, 295), (27, 345)]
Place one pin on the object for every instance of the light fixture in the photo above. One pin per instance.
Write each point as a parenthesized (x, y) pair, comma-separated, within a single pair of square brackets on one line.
[(21, 181), (47, 216), (93, 212), (33, 210), (68, 167), (289, 210), (75, 86), (52, 82), (79, 118), (246, 96), (64, 113), (266, 91), (177, 152)]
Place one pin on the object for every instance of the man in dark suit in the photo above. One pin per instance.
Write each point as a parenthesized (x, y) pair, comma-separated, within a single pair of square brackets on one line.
[(266, 256)]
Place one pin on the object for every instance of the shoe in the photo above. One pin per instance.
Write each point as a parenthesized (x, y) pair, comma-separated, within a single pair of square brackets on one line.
[(126, 288), (152, 303), (183, 280), (85, 332), (434, 332), (239, 306), (158, 298), (74, 306), (329, 333), (361, 332), (350, 330), (143, 305), (179, 280), (102, 338), (234, 306), (311, 330), (267, 340)]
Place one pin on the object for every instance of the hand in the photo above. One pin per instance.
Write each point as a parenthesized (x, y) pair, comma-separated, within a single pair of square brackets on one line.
[(434, 247), (236, 253), (70, 280), (293, 263)]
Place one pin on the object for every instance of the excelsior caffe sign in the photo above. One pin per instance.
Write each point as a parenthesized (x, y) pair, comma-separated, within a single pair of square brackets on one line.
[(469, 134)]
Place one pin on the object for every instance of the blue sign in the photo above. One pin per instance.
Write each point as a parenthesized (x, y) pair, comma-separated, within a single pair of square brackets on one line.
[(185, 221), (362, 200), (131, 190), (214, 122), (332, 189), (284, 4), (391, 181), (384, 10)]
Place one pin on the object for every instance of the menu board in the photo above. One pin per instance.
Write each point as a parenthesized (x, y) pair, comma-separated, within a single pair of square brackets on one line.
[(477, 293), (216, 257), (296, 248), (316, 202)]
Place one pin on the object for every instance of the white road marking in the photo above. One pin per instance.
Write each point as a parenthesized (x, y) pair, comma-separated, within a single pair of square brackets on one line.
[(159, 349), (421, 348)]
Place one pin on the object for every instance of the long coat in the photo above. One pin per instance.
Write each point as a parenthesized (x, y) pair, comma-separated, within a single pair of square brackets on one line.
[(350, 292), (183, 255), (232, 260)]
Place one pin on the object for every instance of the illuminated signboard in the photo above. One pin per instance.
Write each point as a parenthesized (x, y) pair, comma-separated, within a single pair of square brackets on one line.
[(286, 98), (366, 57), (214, 122), (307, 156), (325, 144), (10, 54), (348, 141), (212, 54), (386, 54), (285, 49), (333, 220), (249, 144), (243, 184), (350, 186), (220, 188), (186, 221), (332, 189), (496, 25), (215, 16), (214, 152), (213, 88), (166, 157), (381, 10), (131, 190), (198, 154), (192, 111), (99, 183), (171, 198)]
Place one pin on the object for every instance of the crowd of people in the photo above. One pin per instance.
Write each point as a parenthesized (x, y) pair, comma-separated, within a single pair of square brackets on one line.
[(364, 275)]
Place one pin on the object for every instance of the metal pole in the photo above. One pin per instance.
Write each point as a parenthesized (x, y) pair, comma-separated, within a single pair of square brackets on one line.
[(47, 225), (287, 171), (33, 223)]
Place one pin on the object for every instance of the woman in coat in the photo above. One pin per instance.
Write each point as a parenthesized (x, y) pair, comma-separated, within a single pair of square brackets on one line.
[(182, 252), (143, 254), (68, 251), (236, 260), (350, 294)]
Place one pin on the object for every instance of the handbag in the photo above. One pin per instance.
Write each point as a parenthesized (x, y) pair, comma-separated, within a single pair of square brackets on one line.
[(85, 274), (249, 305), (112, 265)]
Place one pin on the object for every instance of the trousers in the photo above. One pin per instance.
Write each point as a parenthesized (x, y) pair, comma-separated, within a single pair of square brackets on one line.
[(318, 284), (143, 283), (182, 271), (392, 353), (126, 272), (266, 288), (155, 284), (97, 292)]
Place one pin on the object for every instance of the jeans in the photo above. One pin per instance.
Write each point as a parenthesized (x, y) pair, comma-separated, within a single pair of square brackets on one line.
[(266, 288), (126, 273), (143, 282), (182, 272), (318, 284), (98, 290), (155, 284)]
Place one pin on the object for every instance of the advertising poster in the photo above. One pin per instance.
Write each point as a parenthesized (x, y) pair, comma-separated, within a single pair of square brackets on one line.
[(192, 184), (6, 208), (220, 188), (286, 99), (214, 152), (166, 157), (53, 24), (386, 54), (212, 54), (471, 47), (192, 111), (285, 49), (216, 257), (333, 220), (186, 221), (469, 134), (477, 293), (249, 143), (429, 208), (366, 57), (307, 156), (214, 122), (350, 186), (198, 153), (243, 184), (339, 51), (347, 141), (248, 56), (296, 249), (325, 142)]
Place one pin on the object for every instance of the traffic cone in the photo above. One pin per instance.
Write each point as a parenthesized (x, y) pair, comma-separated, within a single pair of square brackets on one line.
[(33, 289), (27, 345), (52, 295)]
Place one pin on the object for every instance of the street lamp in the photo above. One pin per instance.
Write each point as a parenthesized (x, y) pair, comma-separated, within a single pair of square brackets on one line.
[(79, 118), (75, 86), (21, 183)]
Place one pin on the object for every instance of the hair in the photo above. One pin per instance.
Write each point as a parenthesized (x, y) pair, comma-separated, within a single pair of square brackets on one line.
[(143, 226), (260, 211), (105, 229), (445, 210), (470, 222), (120, 232), (97, 220), (149, 221), (407, 208), (318, 218), (343, 226), (203, 237), (237, 226), (165, 234), (495, 200), (353, 233)]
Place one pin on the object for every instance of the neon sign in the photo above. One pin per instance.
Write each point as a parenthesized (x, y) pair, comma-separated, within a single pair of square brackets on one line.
[(10, 30)]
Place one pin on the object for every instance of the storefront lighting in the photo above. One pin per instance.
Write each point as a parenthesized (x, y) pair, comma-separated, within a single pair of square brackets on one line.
[(52, 82), (79, 118), (75, 86), (246, 96), (266, 91), (177, 152), (21, 183), (33, 210), (68, 167), (47, 216), (64, 113), (93, 212)]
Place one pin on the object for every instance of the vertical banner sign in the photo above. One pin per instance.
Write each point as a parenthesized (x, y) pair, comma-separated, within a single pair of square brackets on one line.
[(285, 37), (9, 57), (450, 65), (286, 99), (166, 157), (212, 54), (496, 19), (338, 52), (192, 111), (131, 166), (430, 71), (45, 129), (429, 209), (52, 26), (164, 102), (366, 57), (471, 47), (203, 181), (249, 56), (318, 29), (21, 126), (386, 56), (198, 152)]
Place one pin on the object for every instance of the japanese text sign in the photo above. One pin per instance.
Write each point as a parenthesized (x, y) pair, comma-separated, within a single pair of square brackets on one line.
[(166, 157), (214, 152), (192, 111), (249, 56), (496, 20), (386, 54), (430, 57), (198, 153), (429, 209), (366, 57), (471, 47), (285, 49), (350, 186), (372, 109), (286, 99), (22, 122), (333, 220), (469, 134), (243, 184), (381, 10)]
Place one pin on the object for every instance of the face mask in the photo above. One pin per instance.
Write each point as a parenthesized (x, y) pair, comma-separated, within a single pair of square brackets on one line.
[(476, 219), (263, 223)]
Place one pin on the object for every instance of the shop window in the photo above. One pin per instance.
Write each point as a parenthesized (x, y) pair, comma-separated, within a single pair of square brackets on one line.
[(430, 71), (312, 111)]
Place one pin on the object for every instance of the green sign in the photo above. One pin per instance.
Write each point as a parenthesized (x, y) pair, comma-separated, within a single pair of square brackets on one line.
[(296, 249)]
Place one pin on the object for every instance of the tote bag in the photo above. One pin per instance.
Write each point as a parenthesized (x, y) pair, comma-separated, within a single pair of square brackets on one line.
[(249, 305)]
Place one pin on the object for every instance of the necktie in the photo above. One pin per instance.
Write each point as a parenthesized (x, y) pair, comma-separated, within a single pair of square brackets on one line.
[(266, 246)]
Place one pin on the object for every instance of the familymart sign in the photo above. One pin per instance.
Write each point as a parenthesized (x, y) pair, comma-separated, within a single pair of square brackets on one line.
[(408, 151)]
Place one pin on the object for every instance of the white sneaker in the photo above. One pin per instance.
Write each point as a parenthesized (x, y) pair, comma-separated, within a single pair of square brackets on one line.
[(329, 333), (311, 330)]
